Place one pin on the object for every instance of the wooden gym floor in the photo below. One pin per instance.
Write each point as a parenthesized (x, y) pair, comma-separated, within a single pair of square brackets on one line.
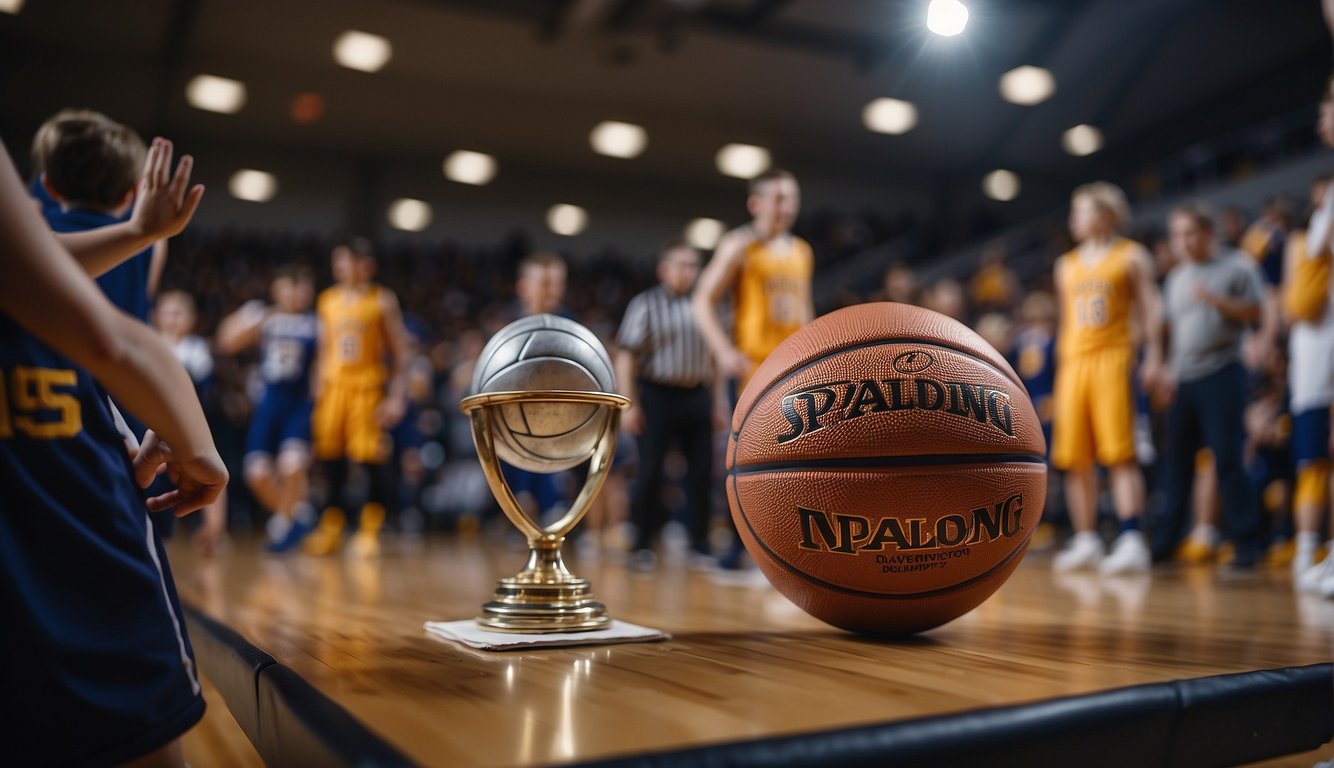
[(742, 663)]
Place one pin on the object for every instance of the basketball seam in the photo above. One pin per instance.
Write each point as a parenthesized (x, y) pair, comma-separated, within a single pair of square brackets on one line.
[(878, 462), (792, 569), (866, 345)]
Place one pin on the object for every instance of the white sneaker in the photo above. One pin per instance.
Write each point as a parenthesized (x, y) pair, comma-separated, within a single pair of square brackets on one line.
[(1327, 584), (1130, 554), (1309, 581), (1083, 551)]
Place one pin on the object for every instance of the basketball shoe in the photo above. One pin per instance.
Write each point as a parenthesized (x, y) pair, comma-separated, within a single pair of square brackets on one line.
[(327, 537), (1130, 554), (365, 543), (1082, 552)]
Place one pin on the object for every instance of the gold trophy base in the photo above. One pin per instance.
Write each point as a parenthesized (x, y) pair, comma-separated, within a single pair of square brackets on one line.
[(544, 597)]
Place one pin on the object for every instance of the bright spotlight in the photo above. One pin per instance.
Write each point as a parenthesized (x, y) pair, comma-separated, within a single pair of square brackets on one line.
[(946, 18), (615, 139), (890, 116), (215, 94), (467, 167), (11, 6), (409, 215), (1001, 185), (252, 185), (1082, 140), (704, 234), (568, 220), (742, 161), (1027, 85), (362, 51)]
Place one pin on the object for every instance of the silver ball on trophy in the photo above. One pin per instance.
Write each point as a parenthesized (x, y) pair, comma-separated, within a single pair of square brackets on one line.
[(545, 352), (544, 400)]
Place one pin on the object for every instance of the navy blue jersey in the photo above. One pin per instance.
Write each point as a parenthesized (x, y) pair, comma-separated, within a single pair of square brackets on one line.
[(94, 658), (1035, 361), (286, 353), (50, 206), (127, 284)]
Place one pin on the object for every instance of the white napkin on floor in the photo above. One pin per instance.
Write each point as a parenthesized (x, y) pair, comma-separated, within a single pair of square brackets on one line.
[(468, 633)]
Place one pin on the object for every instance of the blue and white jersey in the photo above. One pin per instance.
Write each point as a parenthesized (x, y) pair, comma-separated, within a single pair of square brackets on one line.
[(287, 352), (94, 656)]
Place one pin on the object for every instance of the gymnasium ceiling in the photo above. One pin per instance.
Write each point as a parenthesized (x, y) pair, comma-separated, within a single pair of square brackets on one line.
[(525, 80)]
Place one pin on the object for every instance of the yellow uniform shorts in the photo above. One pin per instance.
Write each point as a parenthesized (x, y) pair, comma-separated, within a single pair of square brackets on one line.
[(344, 425), (1093, 414)]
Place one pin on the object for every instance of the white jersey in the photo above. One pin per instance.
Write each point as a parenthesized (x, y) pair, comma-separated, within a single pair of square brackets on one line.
[(1311, 343)]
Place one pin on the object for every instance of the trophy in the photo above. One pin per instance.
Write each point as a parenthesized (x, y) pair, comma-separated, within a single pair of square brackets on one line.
[(542, 400)]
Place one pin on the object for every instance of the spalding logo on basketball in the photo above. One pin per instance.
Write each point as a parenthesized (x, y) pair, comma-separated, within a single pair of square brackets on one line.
[(545, 352), (886, 469)]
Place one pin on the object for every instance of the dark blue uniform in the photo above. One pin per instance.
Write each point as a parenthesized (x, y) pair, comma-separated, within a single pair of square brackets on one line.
[(95, 664), (286, 350), (1034, 358), (125, 285)]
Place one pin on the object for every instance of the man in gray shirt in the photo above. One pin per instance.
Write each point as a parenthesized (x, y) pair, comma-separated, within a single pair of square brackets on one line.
[(1211, 297)]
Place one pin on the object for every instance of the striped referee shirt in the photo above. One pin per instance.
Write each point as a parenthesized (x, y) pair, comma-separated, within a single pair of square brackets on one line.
[(660, 328)]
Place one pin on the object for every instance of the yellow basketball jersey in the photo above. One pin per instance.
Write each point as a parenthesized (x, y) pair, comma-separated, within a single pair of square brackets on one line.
[(354, 337), (1095, 301), (770, 296), (1307, 289), (1256, 241)]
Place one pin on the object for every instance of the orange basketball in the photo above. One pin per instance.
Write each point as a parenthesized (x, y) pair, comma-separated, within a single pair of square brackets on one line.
[(886, 469)]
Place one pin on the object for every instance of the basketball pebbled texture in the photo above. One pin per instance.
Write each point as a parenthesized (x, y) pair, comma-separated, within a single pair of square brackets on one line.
[(886, 469), (545, 352)]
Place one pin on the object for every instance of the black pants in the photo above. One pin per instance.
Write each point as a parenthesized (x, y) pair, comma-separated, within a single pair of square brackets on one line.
[(674, 415), (1208, 413)]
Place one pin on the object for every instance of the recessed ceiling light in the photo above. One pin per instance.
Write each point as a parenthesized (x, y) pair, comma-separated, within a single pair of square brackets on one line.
[(252, 185), (1001, 185), (615, 139), (468, 167), (704, 233), (1027, 85), (742, 161), (11, 6), (215, 94), (409, 215), (946, 18), (1082, 140), (566, 219), (890, 116), (362, 51)]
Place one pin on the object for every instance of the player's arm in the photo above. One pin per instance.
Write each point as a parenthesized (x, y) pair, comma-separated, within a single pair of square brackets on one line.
[(241, 328), (1148, 305), (162, 209), (47, 292), (156, 265), (715, 280), (632, 420), (391, 410)]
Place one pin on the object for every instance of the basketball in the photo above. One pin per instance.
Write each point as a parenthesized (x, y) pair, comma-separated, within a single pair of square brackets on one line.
[(545, 352), (886, 469)]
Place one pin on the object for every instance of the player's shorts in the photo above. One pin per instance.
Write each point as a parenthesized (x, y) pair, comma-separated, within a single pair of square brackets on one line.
[(96, 665), (1311, 364), (1093, 410), (344, 425), (278, 420), (1310, 435)]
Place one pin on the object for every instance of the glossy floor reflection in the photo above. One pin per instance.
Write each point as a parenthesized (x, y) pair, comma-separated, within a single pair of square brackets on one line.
[(743, 661)]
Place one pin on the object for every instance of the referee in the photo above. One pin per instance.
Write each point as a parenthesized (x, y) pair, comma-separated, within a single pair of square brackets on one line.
[(667, 372)]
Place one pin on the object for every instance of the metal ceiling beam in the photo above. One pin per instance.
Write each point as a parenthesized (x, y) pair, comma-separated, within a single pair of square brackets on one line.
[(176, 42)]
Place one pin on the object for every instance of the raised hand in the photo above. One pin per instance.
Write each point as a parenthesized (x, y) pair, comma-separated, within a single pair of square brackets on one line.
[(162, 207)]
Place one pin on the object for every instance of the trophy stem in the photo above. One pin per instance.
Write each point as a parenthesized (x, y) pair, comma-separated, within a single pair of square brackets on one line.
[(543, 597)]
